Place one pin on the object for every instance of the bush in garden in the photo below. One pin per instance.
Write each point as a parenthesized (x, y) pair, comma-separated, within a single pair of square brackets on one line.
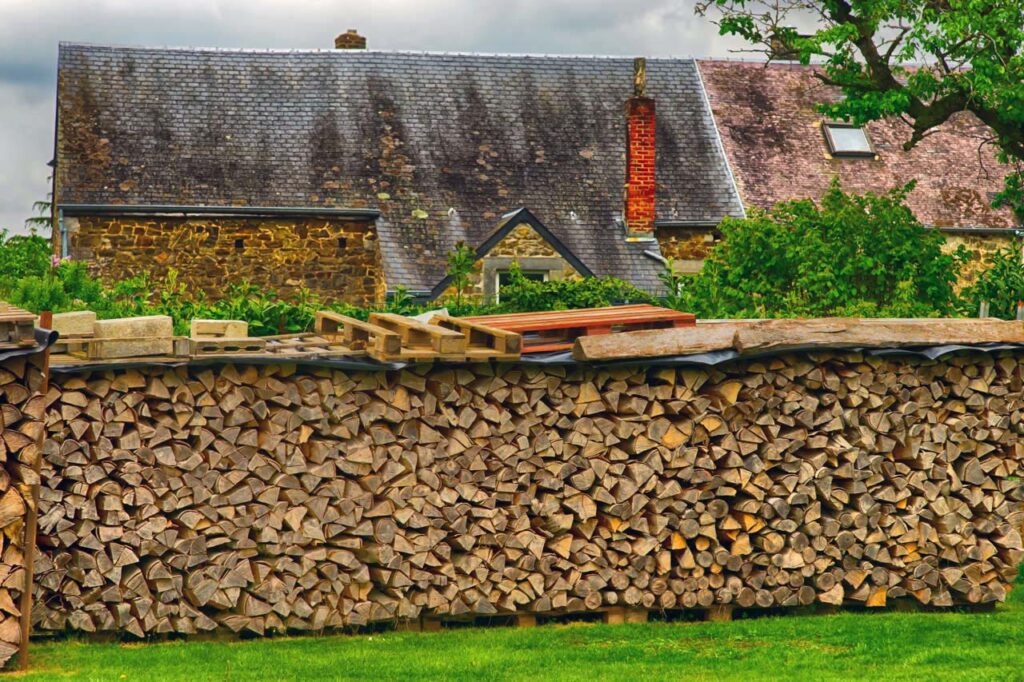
[(1000, 284), (849, 255)]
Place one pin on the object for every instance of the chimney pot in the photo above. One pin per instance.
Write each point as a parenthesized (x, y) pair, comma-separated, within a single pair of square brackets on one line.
[(350, 40)]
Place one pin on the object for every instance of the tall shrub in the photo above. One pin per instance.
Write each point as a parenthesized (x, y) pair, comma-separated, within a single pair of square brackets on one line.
[(848, 255), (1000, 284)]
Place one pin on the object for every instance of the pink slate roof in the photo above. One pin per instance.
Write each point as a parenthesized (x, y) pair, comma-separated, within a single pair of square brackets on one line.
[(771, 132)]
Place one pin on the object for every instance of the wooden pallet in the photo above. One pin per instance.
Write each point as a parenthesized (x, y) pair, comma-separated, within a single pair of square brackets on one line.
[(17, 327), (483, 342), (420, 341), (377, 342), (556, 330)]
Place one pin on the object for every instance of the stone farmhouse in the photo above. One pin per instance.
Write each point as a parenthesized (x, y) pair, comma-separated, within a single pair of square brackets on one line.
[(354, 173)]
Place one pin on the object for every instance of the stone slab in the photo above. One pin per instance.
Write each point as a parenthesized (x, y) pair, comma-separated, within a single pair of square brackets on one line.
[(74, 324), (130, 337)]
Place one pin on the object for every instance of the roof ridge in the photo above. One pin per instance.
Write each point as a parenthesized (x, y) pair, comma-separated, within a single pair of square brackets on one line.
[(333, 51)]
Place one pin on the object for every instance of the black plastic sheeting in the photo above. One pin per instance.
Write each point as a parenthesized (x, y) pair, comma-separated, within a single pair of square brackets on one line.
[(719, 357), (712, 359), (44, 339)]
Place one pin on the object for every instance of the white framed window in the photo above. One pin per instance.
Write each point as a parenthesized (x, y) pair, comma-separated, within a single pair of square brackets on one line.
[(501, 278), (847, 139)]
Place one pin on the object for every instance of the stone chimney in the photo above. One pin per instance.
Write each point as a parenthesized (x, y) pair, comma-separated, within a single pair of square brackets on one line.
[(639, 209), (350, 40)]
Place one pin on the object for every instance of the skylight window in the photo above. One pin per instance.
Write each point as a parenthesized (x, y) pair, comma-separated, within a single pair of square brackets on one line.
[(846, 139)]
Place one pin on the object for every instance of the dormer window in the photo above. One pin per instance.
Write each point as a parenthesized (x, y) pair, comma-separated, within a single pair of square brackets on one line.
[(847, 139)]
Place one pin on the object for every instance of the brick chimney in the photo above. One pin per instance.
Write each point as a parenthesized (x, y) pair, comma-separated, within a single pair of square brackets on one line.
[(640, 157), (350, 40)]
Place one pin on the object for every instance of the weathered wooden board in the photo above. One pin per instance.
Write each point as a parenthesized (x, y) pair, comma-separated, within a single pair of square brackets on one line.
[(779, 335)]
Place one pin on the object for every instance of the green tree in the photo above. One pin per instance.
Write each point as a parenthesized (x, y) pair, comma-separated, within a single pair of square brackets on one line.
[(968, 56), (863, 256), (1000, 284)]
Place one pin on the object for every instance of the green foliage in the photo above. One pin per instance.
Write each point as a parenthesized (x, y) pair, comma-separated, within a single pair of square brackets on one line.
[(460, 266), (1001, 284), (523, 295), (22, 255), (967, 55), (863, 256), (41, 218)]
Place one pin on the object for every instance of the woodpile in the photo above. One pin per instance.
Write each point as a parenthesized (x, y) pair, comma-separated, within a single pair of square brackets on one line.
[(268, 498), (22, 409)]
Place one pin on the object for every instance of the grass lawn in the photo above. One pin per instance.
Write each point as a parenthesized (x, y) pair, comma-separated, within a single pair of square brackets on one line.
[(870, 646)]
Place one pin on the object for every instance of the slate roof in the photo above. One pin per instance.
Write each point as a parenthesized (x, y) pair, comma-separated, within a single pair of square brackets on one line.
[(458, 138), (770, 127)]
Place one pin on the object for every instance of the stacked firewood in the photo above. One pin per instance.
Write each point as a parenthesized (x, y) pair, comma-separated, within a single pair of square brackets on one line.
[(22, 409), (266, 498)]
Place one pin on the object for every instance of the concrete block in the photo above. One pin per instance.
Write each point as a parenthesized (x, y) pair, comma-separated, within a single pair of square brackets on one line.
[(205, 329), (74, 324), (132, 337)]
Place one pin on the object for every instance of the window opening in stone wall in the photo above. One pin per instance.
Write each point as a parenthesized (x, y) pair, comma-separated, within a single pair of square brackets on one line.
[(502, 277)]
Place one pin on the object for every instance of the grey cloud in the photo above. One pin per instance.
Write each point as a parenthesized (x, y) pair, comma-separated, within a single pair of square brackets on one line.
[(30, 32)]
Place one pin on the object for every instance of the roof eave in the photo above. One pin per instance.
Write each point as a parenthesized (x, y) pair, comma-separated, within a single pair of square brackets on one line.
[(72, 210)]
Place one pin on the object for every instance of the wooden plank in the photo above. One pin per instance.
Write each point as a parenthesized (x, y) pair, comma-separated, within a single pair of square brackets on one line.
[(775, 335), (757, 336), (32, 522), (654, 343), (563, 319)]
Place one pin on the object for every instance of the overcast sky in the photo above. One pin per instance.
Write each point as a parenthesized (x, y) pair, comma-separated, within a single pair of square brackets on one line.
[(31, 29)]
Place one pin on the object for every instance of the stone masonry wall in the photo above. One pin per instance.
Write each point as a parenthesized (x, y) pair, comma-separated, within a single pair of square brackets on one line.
[(980, 247), (686, 247), (524, 246), (273, 498), (337, 259)]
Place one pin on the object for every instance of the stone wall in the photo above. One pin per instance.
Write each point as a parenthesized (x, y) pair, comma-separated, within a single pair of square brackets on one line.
[(521, 245), (339, 259), (686, 247), (979, 247), (271, 498)]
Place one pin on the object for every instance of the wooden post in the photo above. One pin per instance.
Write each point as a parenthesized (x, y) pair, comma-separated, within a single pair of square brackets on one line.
[(721, 613), (636, 615), (615, 615), (430, 624), (526, 620), (32, 523)]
